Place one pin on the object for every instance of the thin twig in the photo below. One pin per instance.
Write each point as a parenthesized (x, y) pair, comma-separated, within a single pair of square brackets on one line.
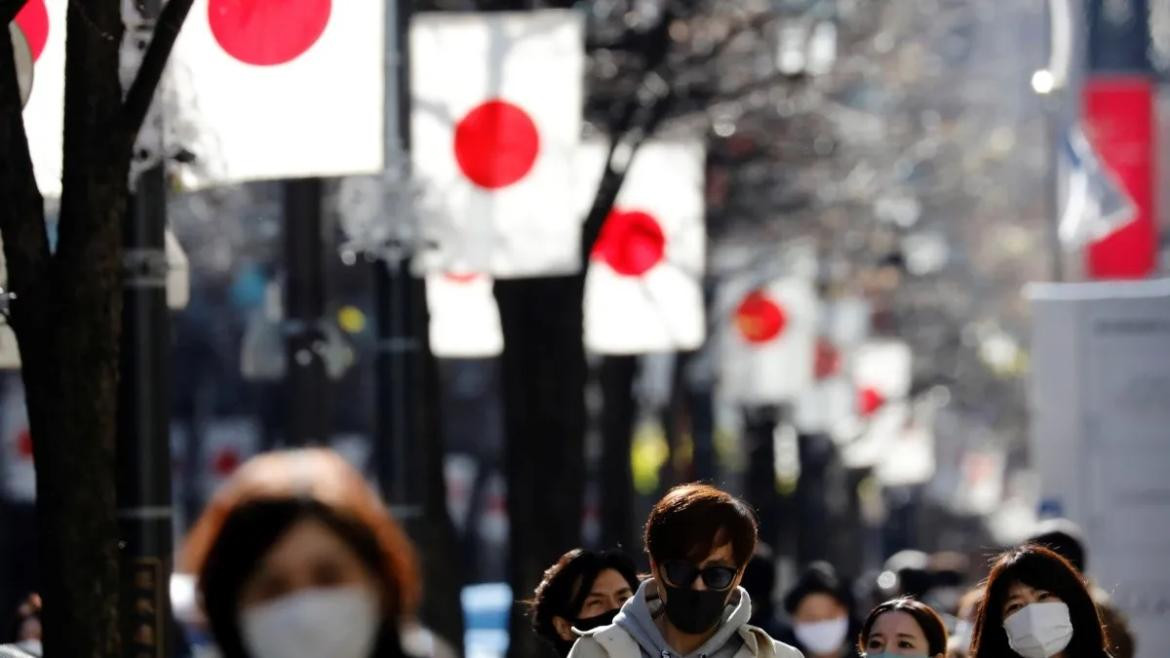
[(9, 9), (26, 244), (154, 62)]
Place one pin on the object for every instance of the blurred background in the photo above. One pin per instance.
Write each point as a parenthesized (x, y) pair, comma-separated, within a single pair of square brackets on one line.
[(530, 264)]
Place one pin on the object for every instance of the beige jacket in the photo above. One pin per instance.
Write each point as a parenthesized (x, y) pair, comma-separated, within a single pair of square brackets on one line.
[(615, 642)]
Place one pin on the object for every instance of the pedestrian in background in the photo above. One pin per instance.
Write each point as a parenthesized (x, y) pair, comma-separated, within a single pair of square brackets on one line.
[(584, 590), (1064, 538), (821, 609), (297, 556), (1036, 605), (699, 540), (959, 643), (903, 627)]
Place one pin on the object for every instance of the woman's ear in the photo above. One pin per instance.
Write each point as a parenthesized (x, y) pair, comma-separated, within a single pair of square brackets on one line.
[(564, 628)]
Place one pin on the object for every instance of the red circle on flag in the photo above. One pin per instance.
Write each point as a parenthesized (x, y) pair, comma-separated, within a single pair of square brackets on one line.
[(496, 144), (267, 32), (827, 361), (33, 21), (869, 400), (24, 444), (759, 318), (631, 242), (461, 277), (226, 462)]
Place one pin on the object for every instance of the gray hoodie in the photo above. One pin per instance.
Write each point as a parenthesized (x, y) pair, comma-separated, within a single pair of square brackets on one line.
[(637, 618)]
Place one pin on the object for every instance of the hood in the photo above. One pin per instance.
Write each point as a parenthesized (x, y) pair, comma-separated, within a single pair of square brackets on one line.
[(639, 612)]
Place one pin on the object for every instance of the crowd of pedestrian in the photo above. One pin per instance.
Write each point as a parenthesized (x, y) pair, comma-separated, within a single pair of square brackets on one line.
[(297, 557)]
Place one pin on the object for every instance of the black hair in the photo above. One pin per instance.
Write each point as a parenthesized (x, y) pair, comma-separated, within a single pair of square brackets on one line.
[(1062, 537), (928, 620), (567, 583), (1039, 568), (818, 577)]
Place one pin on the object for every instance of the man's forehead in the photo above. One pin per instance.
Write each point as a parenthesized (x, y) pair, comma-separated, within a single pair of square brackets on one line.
[(720, 553)]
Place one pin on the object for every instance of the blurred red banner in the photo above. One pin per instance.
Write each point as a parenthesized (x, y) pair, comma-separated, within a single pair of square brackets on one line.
[(1119, 119)]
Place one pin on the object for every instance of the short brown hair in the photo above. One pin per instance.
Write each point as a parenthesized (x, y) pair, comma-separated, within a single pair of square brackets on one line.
[(693, 519)]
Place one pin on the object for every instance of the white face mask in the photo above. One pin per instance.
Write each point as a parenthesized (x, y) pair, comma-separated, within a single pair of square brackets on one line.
[(822, 637), (339, 622), (1039, 630)]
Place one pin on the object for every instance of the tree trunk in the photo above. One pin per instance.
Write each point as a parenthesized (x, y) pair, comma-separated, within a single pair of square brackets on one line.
[(544, 420), (68, 326), (67, 313)]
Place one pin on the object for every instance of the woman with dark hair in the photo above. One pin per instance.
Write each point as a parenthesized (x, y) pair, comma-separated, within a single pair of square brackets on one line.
[(297, 557), (1036, 605), (821, 608), (903, 627), (582, 591)]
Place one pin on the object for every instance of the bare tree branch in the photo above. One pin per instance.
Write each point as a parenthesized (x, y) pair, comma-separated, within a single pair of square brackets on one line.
[(154, 62), (22, 225), (9, 9)]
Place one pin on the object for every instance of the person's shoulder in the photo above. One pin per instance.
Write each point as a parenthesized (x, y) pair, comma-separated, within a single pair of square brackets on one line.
[(13, 651), (779, 649), (587, 646), (782, 650), (612, 640)]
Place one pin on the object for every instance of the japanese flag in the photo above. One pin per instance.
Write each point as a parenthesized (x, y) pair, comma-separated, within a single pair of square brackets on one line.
[(495, 125), (464, 318), (41, 25), (829, 405), (642, 290), (896, 434), (261, 90), (881, 374), (769, 347)]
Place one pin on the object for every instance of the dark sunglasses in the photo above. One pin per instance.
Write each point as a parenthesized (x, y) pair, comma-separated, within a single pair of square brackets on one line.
[(681, 573)]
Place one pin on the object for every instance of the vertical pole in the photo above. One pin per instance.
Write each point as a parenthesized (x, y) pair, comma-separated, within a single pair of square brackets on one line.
[(1054, 129), (143, 440), (618, 527), (396, 298), (308, 388)]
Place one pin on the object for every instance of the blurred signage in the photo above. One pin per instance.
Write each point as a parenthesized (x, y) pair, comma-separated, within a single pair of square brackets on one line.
[(1101, 434), (1119, 117)]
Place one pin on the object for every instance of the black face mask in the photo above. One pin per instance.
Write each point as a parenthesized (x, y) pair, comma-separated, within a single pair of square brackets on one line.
[(586, 624), (596, 621), (694, 611)]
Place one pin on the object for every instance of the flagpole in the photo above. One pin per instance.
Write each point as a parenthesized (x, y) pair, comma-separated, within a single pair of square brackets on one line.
[(1053, 125), (397, 300), (143, 465), (304, 255), (1049, 84)]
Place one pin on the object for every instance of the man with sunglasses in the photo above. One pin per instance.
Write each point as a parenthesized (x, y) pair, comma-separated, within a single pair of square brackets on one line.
[(699, 540)]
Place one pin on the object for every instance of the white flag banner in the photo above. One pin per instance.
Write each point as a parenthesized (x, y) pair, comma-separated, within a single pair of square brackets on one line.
[(41, 28), (464, 318), (495, 127), (829, 405), (264, 90), (769, 345), (643, 290), (1095, 202), (881, 374)]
